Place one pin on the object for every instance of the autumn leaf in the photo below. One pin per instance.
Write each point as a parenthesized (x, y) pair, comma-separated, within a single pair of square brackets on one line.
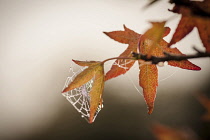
[(121, 66), (85, 63), (96, 91), (150, 43), (190, 19), (205, 101), (148, 80), (94, 71), (162, 132)]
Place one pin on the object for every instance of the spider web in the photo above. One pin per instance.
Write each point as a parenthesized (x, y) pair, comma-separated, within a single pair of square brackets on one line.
[(166, 73), (79, 97)]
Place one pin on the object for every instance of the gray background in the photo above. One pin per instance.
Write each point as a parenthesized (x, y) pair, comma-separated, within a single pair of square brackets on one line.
[(38, 39)]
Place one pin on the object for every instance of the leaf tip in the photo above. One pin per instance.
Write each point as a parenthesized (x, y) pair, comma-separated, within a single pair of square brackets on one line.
[(65, 90), (124, 27), (106, 33), (150, 108)]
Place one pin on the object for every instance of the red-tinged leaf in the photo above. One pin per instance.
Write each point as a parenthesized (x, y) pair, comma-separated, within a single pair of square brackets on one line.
[(185, 26), (204, 31), (162, 132), (85, 63), (151, 43), (184, 64), (190, 19), (82, 78), (167, 30), (123, 36), (96, 91), (148, 80), (121, 66), (205, 101)]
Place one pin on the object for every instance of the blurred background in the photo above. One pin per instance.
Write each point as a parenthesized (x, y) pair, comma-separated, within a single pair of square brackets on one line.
[(38, 40)]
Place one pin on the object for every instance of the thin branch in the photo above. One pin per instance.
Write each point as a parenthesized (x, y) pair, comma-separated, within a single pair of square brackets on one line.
[(170, 57)]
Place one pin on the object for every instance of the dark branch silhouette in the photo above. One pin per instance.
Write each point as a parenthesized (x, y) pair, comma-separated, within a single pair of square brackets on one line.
[(170, 57)]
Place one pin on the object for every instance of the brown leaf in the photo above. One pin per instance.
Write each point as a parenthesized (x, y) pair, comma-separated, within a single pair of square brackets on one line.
[(189, 20), (205, 101)]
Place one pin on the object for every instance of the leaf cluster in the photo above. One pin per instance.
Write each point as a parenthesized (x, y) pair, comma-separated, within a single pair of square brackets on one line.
[(148, 50)]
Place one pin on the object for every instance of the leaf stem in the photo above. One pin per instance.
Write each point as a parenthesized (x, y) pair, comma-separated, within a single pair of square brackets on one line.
[(131, 58)]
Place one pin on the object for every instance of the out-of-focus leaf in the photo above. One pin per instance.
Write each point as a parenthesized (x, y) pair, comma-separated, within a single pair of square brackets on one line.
[(205, 101), (189, 20), (162, 132)]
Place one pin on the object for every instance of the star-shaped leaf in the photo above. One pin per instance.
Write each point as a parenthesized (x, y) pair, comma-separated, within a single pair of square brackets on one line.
[(94, 71), (121, 66), (150, 44)]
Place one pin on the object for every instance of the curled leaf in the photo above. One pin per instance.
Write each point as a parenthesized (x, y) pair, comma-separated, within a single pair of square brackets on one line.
[(96, 92), (95, 71)]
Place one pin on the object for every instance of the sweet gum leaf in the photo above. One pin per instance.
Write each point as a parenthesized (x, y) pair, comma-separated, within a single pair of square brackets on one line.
[(96, 91)]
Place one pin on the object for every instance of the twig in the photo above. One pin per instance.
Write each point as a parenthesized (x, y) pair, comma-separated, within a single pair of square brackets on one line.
[(170, 57)]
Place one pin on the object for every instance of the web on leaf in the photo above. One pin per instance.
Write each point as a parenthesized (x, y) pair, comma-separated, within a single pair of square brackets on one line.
[(79, 97)]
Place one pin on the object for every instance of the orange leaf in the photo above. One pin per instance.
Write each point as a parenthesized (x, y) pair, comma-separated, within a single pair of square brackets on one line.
[(163, 132), (81, 78), (85, 63), (96, 92), (151, 43), (148, 80), (94, 71), (125, 37), (121, 66), (189, 20)]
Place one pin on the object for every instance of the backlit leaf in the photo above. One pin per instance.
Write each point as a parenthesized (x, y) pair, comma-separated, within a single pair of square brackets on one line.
[(121, 66), (152, 44), (95, 71), (148, 80), (96, 91)]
